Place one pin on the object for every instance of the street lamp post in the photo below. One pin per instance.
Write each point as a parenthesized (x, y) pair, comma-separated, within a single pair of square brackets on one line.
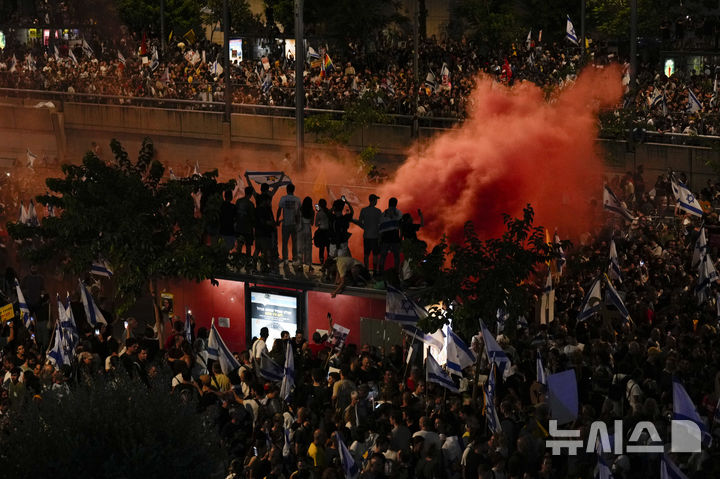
[(226, 62), (299, 85)]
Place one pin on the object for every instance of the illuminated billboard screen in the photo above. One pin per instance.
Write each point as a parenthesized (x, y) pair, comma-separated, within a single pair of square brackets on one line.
[(277, 312), (236, 53)]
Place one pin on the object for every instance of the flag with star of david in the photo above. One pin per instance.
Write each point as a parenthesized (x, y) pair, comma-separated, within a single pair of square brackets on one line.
[(400, 308)]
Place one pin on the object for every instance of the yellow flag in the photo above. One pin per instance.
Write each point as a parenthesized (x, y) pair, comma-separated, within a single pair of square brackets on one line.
[(190, 36)]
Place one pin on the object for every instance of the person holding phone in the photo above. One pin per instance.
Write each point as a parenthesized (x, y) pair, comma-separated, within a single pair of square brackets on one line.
[(339, 225)]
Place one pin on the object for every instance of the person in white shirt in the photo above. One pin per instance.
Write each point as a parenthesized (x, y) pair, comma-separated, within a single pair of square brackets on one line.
[(260, 345)]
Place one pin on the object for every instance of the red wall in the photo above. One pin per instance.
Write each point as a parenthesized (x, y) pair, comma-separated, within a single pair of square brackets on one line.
[(228, 300)]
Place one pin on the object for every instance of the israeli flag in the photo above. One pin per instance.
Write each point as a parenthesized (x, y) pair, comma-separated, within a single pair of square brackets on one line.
[(92, 312), (87, 49), (349, 467), (23, 214), (614, 268), (707, 274), (216, 69), (541, 375), (267, 83), (59, 353), (57, 53), (272, 178), (495, 353), (430, 81), (313, 54), (22, 306), (288, 380), (700, 248), (401, 309), (269, 369), (458, 355), (430, 339), (613, 204), (602, 470), (612, 297), (32, 218), (217, 350), (101, 268), (435, 374), (686, 201), (493, 421), (570, 31), (684, 410), (66, 319), (72, 56), (669, 470), (31, 157), (155, 63), (657, 99), (590, 307), (694, 104), (286, 443)]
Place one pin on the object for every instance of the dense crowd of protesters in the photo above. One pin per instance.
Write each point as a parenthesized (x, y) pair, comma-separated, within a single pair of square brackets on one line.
[(395, 423), (448, 70)]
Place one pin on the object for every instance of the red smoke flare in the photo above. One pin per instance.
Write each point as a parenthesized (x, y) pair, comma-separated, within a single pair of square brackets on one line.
[(515, 148)]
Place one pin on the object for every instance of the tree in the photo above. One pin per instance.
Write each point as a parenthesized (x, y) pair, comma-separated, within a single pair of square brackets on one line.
[(242, 20), (113, 429), (486, 275), (342, 20), (144, 15), (123, 213)]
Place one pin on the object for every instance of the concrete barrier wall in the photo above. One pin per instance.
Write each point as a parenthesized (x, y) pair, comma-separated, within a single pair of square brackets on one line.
[(69, 130)]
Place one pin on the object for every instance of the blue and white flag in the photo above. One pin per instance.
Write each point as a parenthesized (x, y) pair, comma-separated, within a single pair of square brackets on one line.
[(495, 353), (286, 443), (435, 374), (401, 309), (684, 410), (430, 81), (155, 62), (561, 260), (23, 214), (707, 274), (686, 201), (540, 374), (272, 178), (188, 330), (458, 355), (269, 369), (22, 306), (433, 340), (612, 297), (92, 312), (101, 268), (216, 69), (59, 353), (32, 218), (217, 350), (589, 306), (72, 56), (87, 49), (613, 204), (547, 301), (31, 157), (349, 467), (694, 104), (602, 470), (657, 99), (288, 380), (669, 470), (313, 54), (267, 83), (700, 248), (493, 421), (614, 269), (570, 31)]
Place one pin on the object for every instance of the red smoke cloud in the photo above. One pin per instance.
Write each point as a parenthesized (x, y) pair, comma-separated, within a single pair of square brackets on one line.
[(516, 148)]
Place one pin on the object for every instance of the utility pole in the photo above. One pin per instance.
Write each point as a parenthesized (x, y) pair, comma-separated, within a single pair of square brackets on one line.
[(582, 25), (633, 43), (162, 25), (299, 85), (416, 74), (226, 62)]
